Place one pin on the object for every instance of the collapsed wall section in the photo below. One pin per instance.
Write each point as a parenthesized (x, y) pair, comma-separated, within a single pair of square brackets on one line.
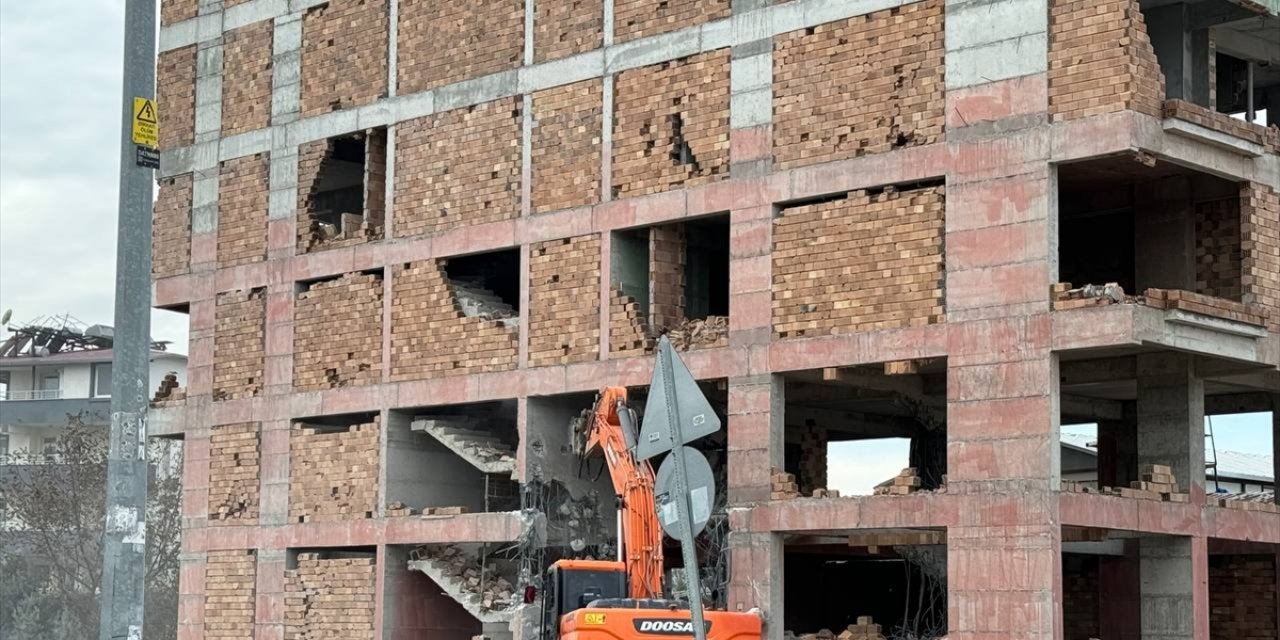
[(441, 42), (242, 210), (327, 598), (430, 334), (239, 343), (458, 167), (171, 227), (176, 97), (865, 261), (639, 18), (230, 587), (867, 84), (344, 55), (1101, 60), (566, 27), (333, 471), (233, 474), (246, 78), (342, 191), (564, 300), (671, 125), (565, 146), (337, 333), (1242, 597)]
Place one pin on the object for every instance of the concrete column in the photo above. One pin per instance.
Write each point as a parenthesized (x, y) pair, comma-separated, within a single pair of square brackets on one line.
[(1175, 596), (269, 619), (191, 569), (1164, 235), (758, 579), (756, 405), (1167, 26), (1171, 417)]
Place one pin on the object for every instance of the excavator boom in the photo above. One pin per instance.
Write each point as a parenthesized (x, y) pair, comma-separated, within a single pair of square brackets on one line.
[(641, 535)]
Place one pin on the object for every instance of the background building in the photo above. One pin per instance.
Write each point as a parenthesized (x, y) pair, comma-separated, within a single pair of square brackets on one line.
[(414, 237)]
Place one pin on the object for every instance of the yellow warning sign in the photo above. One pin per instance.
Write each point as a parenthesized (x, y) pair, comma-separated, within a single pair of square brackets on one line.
[(145, 123), (594, 619)]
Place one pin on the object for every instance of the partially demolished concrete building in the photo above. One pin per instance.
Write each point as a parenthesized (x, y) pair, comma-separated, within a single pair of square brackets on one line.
[(414, 238)]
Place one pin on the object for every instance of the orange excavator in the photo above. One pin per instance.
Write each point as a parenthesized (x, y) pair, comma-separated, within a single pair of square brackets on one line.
[(623, 600)]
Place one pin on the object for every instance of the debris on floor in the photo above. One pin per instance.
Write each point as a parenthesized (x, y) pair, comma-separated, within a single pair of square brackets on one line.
[(699, 332)]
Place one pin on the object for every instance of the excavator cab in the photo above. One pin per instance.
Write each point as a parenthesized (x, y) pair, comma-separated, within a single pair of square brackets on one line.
[(574, 584)]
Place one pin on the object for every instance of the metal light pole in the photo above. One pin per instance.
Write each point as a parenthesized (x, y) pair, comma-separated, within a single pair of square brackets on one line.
[(124, 539)]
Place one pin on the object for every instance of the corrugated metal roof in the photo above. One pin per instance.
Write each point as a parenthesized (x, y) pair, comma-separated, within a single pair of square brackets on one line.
[(1236, 465), (86, 356)]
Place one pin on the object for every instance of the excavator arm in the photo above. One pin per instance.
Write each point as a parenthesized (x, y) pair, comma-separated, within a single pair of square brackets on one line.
[(641, 535)]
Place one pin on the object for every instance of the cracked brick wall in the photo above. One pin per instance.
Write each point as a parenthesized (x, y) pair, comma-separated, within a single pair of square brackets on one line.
[(230, 589), (671, 125), (171, 227), (565, 146), (446, 41), (242, 210), (1242, 597), (337, 334), (233, 474), (344, 55), (867, 84), (458, 167), (246, 78), (239, 344), (830, 261), (431, 337), (1218, 254), (333, 472), (329, 598), (566, 27), (564, 300), (639, 18), (1101, 60), (176, 97), (667, 245), (172, 11), (628, 326)]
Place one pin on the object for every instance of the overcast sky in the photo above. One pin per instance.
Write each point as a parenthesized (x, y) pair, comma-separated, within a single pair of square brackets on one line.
[(59, 142)]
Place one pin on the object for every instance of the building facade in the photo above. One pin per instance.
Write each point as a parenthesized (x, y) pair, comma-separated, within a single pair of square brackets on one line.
[(414, 238)]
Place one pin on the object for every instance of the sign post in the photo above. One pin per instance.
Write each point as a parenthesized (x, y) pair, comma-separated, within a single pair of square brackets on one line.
[(677, 412)]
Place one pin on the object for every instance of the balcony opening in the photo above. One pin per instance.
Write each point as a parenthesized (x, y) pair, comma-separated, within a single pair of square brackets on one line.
[(866, 584), (865, 430), (1135, 230), (670, 279), (342, 190)]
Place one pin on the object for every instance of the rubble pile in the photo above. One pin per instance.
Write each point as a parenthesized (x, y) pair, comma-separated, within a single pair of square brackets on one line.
[(353, 227), (699, 332)]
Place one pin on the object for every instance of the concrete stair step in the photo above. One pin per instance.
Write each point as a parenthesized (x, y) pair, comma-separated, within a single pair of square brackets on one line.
[(483, 451), (441, 572)]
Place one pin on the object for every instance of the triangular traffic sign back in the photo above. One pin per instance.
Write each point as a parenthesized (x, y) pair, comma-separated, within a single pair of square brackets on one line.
[(694, 415)]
